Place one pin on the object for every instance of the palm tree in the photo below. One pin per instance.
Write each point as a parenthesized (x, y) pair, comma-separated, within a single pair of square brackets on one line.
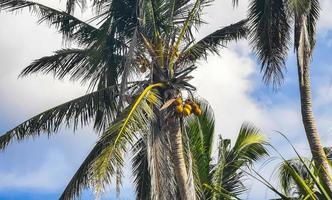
[(137, 62), (299, 178), (289, 185), (307, 173), (270, 26), (222, 177)]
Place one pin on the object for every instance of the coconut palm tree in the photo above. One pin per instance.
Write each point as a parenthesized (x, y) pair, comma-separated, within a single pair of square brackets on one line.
[(270, 26), (214, 178), (307, 173), (137, 62), (222, 177)]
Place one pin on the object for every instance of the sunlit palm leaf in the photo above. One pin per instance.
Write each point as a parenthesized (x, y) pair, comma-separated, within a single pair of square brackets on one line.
[(250, 143), (133, 120), (249, 147), (183, 32)]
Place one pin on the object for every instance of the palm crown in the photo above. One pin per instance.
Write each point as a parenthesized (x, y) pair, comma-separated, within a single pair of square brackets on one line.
[(138, 58), (271, 24)]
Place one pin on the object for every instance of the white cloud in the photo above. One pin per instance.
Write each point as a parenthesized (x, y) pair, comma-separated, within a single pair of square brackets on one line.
[(225, 82), (325, 20)]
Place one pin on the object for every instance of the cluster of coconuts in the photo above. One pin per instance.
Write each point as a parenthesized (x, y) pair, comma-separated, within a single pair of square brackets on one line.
[(186, 108)]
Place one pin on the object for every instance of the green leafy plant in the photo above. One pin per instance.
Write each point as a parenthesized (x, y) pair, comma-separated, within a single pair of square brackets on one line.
[(222, 177), (299, 178)]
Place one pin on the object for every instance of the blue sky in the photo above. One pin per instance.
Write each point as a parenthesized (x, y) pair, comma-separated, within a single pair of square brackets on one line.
[(40, 168)]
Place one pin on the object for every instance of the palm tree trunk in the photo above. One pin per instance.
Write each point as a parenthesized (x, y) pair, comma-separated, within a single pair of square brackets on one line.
[(178, 157), (303, 61)]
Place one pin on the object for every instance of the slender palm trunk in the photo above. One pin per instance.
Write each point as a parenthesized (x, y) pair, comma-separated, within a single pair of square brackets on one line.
[(303, 62), (178, 157)]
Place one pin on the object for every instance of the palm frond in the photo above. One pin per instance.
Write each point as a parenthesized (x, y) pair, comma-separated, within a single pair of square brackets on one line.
[(84, 64), (160, 161), (141, 172), (285, 178), (225, 174), (69, 26), (201, 133), (250, 144), (249, 147), (183, 30), (304, 187), (78, 111), (132, 121), (212, 42), (270, 34), (312, 21), (315, 175), (71, 5)]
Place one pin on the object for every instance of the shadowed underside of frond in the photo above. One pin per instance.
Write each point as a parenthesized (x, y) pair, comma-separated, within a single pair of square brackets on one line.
[(212, 42), (270, 34), (68, 25), (80, 111), (141, 173), (88, 65)]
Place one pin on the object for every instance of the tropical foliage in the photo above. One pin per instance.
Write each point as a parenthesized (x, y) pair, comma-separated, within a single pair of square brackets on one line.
[(271, 25), (136, 61), (222, 177), (299, 178)]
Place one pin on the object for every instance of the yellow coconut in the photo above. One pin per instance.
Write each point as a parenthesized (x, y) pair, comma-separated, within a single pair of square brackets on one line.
[(198, 111), (179, 109), (186, 111), (194, 105), (188, 107), (178, 101)]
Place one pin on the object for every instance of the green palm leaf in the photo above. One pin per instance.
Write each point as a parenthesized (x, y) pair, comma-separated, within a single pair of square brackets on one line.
[(286, 179), (135, 119), (200, 131), (212, 42), (248, 148)]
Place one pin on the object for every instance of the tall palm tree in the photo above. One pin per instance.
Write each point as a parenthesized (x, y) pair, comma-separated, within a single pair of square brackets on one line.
[(222, 177), (137, 62), (270, 26)]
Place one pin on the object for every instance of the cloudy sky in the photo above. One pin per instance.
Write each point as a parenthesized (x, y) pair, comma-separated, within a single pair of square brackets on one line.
[(40, 168)]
